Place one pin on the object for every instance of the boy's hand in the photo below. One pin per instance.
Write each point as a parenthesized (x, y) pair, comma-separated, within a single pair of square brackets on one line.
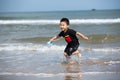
[(86, 38), (50, 43)]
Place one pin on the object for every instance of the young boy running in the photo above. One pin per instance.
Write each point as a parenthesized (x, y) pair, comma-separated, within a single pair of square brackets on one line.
[(70, 38)]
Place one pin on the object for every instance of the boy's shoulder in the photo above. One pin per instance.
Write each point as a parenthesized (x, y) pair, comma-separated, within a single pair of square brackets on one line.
[(71, 30)]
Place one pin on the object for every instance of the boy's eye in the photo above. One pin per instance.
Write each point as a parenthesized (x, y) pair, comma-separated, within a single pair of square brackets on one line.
[(61, 25)]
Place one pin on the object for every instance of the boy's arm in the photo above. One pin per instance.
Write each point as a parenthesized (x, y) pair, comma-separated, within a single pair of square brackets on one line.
[(82, 36), (54, 38)]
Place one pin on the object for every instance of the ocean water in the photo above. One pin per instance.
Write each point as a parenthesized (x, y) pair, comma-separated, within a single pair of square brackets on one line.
[(25, 54)]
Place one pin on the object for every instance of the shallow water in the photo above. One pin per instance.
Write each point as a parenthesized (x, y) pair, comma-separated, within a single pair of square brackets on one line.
[(50, 64)]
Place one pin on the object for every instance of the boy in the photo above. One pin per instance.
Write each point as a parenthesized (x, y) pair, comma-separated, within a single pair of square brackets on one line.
[(70, 38)]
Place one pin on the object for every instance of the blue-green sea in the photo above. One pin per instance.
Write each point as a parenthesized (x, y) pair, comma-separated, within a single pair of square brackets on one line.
[(25, 54)]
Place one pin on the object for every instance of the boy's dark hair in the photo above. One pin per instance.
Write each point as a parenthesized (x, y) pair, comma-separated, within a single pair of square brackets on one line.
[(65, 20)]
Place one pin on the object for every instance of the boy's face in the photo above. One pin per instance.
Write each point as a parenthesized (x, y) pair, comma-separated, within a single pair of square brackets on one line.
[(63, 26)]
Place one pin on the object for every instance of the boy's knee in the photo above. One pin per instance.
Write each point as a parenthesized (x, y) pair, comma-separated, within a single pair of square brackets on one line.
[(75, 52), (66, 55)]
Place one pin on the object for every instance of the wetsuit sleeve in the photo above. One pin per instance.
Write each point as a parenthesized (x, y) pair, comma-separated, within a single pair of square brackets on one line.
[(60, 34), (73, 32)]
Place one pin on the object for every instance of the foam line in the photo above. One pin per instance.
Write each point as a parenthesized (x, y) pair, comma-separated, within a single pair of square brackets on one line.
[(57, 74), (73, 21), (47, 48)]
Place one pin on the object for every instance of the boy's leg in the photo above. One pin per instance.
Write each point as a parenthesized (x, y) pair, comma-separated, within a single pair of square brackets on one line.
[(78, 53), (67, 53), (67, 56)]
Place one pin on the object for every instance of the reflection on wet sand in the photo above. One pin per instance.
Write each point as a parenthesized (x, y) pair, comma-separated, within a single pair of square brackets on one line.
[(74, 71), (70, 77)]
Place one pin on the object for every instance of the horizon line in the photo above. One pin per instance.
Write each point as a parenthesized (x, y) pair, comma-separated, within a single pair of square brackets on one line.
[(55, 11)]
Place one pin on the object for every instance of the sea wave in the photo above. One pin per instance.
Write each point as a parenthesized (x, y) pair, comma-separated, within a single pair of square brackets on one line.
[(73, 21), (52, 75), (29, 47), (48, 48), (112, 62)]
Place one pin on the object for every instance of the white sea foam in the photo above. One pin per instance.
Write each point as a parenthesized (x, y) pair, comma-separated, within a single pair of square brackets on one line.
[(112, 62), (47, 48), (30, 47), (57, 74), (106, 49), (73, 21)]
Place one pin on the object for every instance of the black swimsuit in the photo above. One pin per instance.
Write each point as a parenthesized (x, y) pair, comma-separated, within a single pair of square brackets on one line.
[(71, 39)]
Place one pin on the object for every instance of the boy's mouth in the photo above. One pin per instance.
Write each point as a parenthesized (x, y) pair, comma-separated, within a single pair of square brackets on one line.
[(62, 29)]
